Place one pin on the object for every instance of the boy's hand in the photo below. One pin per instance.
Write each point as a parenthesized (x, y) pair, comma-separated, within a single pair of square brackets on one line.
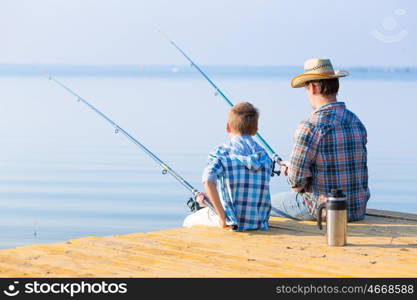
[(200, 199), (222, 223), (213, 196), (284, 167)]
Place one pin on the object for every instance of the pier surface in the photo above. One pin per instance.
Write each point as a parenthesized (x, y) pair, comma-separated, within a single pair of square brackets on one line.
[(383, 245)]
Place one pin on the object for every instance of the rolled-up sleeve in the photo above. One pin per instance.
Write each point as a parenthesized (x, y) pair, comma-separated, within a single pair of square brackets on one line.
[(213, 169), (303, 155)]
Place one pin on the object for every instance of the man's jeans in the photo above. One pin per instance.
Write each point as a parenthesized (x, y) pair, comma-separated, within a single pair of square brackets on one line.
[(290, 205)]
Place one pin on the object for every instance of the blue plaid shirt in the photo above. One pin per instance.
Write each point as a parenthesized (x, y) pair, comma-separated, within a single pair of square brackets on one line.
[(242, 170)]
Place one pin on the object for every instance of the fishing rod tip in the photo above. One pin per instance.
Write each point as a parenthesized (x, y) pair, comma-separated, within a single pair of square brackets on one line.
[(42, 72), (164, 34)]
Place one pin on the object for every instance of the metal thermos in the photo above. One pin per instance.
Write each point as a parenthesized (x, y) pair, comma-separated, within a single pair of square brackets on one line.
[(336, 218)]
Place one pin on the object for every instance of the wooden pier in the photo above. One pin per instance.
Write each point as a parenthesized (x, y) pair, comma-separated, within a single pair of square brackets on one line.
[(383, 245)]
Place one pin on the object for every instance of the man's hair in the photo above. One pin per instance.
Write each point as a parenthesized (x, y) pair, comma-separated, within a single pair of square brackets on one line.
[(326, 87), (243, 118)]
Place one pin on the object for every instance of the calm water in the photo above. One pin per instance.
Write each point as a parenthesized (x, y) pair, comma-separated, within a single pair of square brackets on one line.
[(64, 173)]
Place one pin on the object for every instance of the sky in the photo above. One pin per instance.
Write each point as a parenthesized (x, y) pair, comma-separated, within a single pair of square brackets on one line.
[(217, 32)]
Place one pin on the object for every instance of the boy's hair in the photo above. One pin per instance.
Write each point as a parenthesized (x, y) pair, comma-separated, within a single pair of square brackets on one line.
[(243, 118)]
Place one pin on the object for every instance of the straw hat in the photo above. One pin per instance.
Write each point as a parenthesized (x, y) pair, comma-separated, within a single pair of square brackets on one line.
[(316, 69)]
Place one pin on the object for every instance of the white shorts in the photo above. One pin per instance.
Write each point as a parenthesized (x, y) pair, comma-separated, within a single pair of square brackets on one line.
[(204, 217)]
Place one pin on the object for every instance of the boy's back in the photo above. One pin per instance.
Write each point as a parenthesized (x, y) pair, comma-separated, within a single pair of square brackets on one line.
[(242, 170), (236, 178)]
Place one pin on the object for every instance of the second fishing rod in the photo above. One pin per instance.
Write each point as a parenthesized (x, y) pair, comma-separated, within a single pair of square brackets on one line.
[(192, 203), (275, 157)]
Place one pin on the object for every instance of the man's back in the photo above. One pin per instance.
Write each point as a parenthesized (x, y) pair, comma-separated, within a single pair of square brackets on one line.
[(337, 158)]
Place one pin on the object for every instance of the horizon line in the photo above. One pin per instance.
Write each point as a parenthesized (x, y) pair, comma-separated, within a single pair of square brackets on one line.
[(185, 65)]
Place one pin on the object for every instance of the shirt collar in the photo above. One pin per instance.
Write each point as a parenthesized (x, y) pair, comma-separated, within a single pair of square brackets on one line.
[(238, 138), (331, 105)]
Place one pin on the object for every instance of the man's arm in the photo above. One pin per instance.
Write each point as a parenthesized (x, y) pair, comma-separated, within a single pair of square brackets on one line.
[(213, 196), (284, 170), (302, 157)]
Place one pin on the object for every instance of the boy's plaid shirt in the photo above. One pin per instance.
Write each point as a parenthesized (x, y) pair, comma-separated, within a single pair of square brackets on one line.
[(330, 152), (242, 170)]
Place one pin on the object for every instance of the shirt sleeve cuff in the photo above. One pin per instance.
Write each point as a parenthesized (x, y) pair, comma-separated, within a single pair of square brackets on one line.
[(210, 177), (296, 183)]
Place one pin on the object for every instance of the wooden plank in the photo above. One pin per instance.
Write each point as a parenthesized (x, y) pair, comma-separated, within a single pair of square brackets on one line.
[(377, 226), (391, 214), (377, 247), (377, 222)]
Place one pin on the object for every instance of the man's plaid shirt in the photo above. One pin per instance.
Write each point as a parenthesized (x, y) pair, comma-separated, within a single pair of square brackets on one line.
[(330, 152), (242, 170)]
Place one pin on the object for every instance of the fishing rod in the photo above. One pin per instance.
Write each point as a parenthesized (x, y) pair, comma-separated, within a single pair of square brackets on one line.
[(275, 157), (192, 202)]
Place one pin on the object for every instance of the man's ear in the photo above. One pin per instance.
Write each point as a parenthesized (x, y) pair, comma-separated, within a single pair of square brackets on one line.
[(228, 128), (314, 88)]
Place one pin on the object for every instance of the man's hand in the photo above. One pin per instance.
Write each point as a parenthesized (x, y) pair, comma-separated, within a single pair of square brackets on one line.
[(284, 167), (298, 190)]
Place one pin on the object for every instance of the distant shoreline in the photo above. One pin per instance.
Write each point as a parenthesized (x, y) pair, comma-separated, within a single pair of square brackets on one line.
[(186, 71)]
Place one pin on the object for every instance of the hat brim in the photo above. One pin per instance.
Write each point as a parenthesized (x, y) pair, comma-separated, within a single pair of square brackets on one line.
[(300, 80)]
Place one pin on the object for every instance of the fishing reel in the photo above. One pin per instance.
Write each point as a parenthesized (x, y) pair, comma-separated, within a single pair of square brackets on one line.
[(193, 205), (274, 171), (274, 167)]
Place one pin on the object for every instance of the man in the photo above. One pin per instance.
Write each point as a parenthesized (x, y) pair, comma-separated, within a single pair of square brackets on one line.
[(329, 150)]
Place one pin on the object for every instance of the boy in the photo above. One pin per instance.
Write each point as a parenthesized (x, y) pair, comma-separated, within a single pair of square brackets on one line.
[(236, 178)]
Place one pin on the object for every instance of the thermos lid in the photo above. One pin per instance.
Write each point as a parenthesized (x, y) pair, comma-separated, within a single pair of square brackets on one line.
[(336, 193), (336, 200)]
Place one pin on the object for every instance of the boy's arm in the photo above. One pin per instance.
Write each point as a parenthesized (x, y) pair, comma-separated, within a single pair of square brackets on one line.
[(213, 195), (213, 170)]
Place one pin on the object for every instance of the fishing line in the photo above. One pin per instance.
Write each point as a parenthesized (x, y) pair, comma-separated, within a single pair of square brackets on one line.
[(275, 157)]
